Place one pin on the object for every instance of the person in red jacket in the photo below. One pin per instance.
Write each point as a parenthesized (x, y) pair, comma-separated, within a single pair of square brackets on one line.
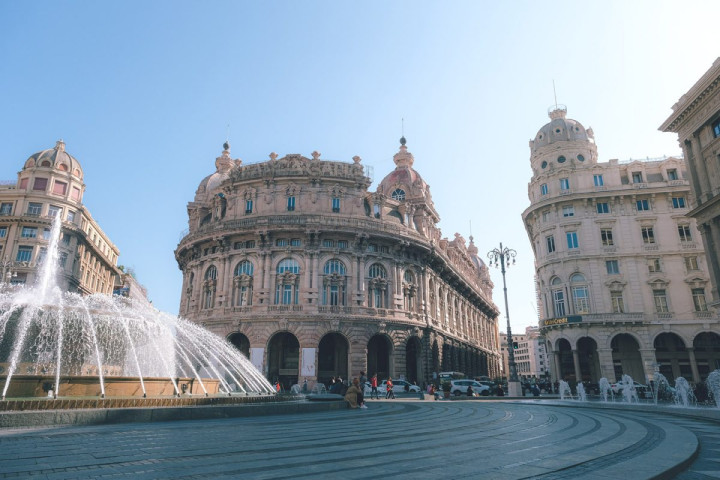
[(373, 386), (389, 387)]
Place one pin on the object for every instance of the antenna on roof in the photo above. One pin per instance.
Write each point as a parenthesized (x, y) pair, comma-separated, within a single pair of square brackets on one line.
[(227, 132), (555, 94), (471, 228)]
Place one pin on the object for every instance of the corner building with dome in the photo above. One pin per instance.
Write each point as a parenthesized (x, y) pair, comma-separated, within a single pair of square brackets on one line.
[(311, 275), (622, 278)]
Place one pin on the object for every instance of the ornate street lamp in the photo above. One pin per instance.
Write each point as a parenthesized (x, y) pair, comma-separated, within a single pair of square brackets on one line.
[(503, 258)]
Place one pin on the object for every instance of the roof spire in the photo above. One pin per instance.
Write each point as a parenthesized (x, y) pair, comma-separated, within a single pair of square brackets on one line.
[(402, 129)]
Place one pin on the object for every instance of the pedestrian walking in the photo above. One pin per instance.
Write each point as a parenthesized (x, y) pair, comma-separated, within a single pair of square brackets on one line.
[(389, 388), (373, 388)]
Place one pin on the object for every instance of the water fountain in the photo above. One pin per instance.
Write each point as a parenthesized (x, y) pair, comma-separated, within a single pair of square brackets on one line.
[(629, 394), (54, 343), (581, 395), (683, 395), (713, 385), (564, 389), (661, 388), (604, 386)]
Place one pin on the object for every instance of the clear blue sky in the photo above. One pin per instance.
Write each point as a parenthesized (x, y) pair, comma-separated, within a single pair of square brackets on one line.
[(142, 93)]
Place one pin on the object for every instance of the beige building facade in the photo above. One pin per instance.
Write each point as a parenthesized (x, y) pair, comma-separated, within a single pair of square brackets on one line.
[(531, 356), (696, 120), (312, 275), (49, 184), (621, 273)]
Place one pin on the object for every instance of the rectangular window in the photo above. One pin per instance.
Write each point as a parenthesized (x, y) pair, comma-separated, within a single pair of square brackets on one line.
[(66, 239), (691, 264), (698, 295), (372, 248), (581, 299), (618, 305), (672, 174), (598, 180), (291, 204), (543, 189), (384, 249), (70, 216), (342, 244), (281, 242), (568, 211), (75, 193), (294, 242), (606, 237), (602, 207), (328, 243), (40, 184), (678, 202), (642, 205), (654, 265), (248, 206), (53, 210), (648, 235), (550, 242), (34, 209), (24, 254), (3, 232), (716, 128), (612, 266), (59, 188), (336, 204), (545, 216), (23, 183), (572, 240), (29, 232), (637, 177), (684, 232), (46, 233), (6, 209), (661, 303), (250, 244), (564, 184), (559, 303)]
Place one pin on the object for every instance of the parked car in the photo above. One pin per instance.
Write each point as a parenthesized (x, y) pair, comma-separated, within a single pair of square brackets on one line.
[(460, 387), (643, 391), (398, 387)]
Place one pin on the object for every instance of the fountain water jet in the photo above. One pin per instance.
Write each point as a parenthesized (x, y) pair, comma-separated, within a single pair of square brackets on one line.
[(580, 390), (564, 389), (96, 345), (683, 395), (713, 385), (604, 386)]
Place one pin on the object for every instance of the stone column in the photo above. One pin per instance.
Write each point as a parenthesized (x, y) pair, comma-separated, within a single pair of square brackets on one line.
[(693, 365), (607, 368), (576, 364)]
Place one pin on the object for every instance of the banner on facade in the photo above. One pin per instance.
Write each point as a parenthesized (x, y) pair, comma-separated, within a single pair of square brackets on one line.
[(562, 320), (308, 362), (257, 356)]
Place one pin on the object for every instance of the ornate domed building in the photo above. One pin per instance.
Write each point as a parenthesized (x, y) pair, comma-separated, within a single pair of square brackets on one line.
[(311, 275), (51, 184), (620, 268)]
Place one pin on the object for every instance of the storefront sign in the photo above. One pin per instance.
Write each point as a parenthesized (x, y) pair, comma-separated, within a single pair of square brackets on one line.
[(562, 320)]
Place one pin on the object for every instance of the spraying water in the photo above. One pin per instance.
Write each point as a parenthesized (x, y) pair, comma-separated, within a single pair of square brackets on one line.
[(661, 387), (581, 395), (564, 389), (604, 386), (683, 395), (44, 331), (713, 385), (629, 394)]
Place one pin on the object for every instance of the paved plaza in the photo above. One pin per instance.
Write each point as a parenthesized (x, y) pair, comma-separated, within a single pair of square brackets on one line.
[(397, 439)]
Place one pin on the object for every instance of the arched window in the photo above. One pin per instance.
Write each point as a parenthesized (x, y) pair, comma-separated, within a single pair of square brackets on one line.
[(287, 282), (243, 284), (209, 286), (334, 283), (398, 194), (581, 297), (377, 286), (558, 296)]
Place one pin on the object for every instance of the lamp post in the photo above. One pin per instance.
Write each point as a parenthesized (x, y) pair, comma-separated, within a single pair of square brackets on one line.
[(503, 257)]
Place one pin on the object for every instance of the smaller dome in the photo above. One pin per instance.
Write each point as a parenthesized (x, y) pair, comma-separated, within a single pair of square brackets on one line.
[(561, 129), (404, 176), (56, 158)]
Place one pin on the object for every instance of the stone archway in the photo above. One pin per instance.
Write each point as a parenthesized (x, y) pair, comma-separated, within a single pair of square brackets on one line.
[(414, 360), (240, 342), (379, 356), (626, 357), (588, 359), (563, 351), (707, 353), (284, 359), (333, 357), (672, 356)]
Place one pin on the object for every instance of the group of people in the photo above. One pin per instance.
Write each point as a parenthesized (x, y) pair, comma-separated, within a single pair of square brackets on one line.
[(355, 395)]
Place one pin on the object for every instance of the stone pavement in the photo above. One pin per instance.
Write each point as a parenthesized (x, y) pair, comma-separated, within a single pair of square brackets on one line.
[(401, 439)]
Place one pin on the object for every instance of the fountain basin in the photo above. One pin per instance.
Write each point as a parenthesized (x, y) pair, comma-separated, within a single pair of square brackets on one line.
[(23, 386)]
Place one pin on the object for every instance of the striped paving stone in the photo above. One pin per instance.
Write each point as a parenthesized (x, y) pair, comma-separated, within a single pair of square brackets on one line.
[(499, 440)]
